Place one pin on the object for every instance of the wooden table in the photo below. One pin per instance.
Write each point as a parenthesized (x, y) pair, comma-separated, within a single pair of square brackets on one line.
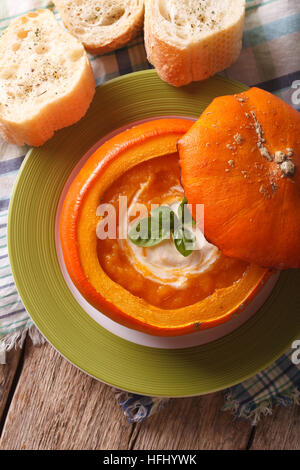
[(46, 403)]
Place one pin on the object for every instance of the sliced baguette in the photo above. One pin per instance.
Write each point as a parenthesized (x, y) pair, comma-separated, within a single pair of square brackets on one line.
[(102, 26), (46, 81), (189, 40)]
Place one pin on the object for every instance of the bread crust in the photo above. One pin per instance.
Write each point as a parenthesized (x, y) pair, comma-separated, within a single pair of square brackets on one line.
[(56, 115), (68, 107), (109, 45), (118, 42), (179, 66)]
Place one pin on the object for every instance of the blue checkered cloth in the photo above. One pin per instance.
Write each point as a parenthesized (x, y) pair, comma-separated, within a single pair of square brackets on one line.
[(270, 59)]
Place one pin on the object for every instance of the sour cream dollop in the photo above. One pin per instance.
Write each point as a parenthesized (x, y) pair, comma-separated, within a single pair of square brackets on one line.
[(163, 263)]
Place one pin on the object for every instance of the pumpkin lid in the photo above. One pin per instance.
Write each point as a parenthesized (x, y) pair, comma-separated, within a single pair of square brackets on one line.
[(241, 159)]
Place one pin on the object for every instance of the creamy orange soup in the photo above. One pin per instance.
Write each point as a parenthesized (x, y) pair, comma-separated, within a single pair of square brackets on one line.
[(161, 275)]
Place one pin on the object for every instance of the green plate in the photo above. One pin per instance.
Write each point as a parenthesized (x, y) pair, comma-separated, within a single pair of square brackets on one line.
[(32, 251)]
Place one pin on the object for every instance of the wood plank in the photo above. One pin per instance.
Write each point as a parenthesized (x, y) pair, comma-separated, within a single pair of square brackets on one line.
[(192, 423), (7, 374), (280, 431), (56, 406)]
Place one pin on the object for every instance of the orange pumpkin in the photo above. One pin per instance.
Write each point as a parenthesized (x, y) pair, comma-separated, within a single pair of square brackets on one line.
[(79, 240), (241, 159)]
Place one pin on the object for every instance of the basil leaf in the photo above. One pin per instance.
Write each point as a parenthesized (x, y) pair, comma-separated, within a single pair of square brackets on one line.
[(140, 233), (159, 226), (154, 229), (184, 214), (184, 240), (140, 230), (162, 219)]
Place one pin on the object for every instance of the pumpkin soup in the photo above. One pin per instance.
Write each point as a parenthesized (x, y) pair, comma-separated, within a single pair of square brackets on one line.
[(166, 290), (160, 274)]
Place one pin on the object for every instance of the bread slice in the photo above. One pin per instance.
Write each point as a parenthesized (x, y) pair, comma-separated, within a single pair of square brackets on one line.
[(189, 40), (102, 25), (46, 81)]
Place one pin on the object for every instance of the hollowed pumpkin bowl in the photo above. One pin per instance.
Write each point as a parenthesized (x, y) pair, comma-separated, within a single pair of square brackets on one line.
[(78, 226)]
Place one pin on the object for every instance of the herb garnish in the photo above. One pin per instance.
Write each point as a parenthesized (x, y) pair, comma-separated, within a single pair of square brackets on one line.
[(162, 224)]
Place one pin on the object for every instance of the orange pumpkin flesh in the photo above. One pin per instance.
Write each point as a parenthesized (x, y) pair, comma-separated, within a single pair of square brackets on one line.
[(79, 240), (251, 208)]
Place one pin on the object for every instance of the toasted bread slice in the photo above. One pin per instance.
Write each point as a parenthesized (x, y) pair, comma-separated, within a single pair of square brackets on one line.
[(46, 81), (189, 40), (102, 26)]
